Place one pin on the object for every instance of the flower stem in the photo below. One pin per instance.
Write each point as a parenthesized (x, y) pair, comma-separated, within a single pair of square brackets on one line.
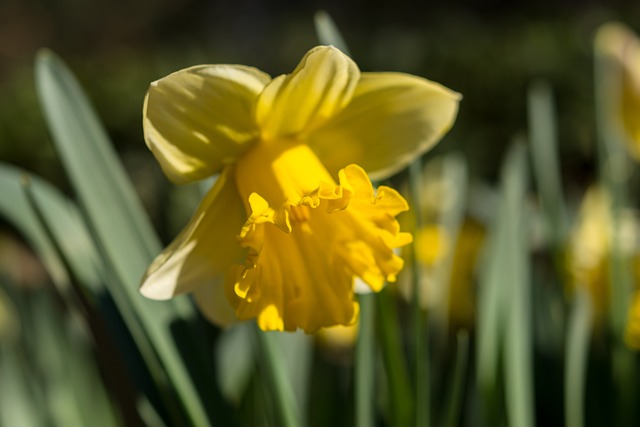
[(395, 364), (420, 329), (365, 374), (577, 354), (274, 369), (456, 395)]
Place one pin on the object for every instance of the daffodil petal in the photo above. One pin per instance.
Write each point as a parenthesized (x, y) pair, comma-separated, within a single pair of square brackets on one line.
[(203, 251), (391, 119), (321, 85), (198, 119)]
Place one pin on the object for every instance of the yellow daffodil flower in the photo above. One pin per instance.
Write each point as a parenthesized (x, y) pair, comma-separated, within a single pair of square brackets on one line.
[(622, 48), (292, 218)]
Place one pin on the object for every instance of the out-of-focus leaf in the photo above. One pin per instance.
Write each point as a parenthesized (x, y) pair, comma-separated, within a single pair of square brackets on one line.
[(546, 165), (518, 351), (235, 360), (9, 323), (54, 227), (123, 234), (74, 390), (17, 406), (275, 370), (15, 207), (50, 372), (577, 355), (18, 403), (365, 362), (420, 331), (327, 31), (457, 389), (447, 179), (504, 315)]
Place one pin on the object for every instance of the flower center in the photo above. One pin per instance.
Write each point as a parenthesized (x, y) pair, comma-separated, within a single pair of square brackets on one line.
[(282, 172), (299, 214)]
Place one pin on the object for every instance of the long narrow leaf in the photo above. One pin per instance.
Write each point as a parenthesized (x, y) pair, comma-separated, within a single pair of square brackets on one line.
[(504, 313), (546, 164), (420, 327), (328, 32), (15, 208), (390, 337), (518, 338), (365, 367), (276, 373), (122, 232), (457, 389), (577, 354)]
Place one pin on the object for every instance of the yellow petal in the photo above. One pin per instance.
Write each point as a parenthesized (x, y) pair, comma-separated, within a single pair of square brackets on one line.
[(203, 251), (198, 119), (320, 86), (391, 119)]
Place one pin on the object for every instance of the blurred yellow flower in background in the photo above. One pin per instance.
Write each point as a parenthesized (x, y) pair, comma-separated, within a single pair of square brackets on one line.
[(447, 244), (433, 246), (589, 252), (622, 48), (292, 218), (462, 291), (632, 330)]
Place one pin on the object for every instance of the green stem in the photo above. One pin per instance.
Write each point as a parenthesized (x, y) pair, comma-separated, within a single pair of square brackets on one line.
[(365, 373), (459, 375), (400, 391), (421, 360), (577, 354), (543, 134), (274, 370)]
